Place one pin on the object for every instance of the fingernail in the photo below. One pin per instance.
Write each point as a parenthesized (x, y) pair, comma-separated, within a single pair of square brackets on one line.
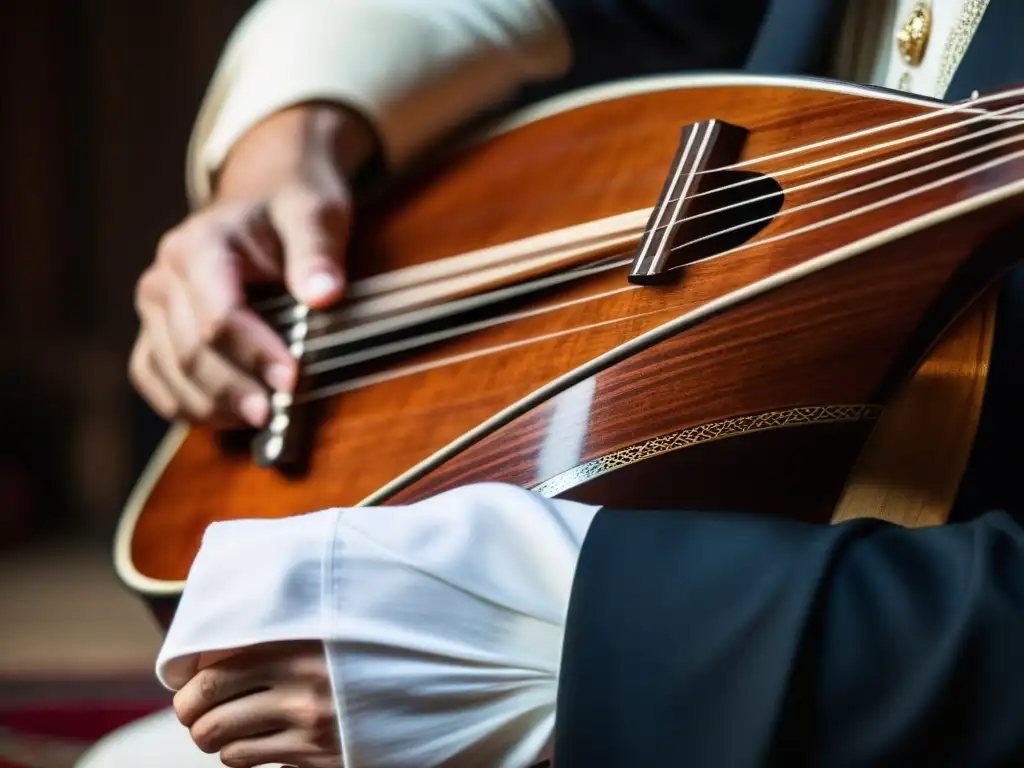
[(254, 408), (279, 376), (321, 284)]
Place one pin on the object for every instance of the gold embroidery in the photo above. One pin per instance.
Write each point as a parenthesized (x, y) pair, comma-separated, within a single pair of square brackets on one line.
[(958, 41), (702, 433)]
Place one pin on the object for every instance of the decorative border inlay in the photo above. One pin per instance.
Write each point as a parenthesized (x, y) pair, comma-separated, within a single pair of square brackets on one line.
[(704, 433)]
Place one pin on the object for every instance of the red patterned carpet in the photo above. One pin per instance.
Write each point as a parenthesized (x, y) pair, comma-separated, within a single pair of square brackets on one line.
[(48, 723)]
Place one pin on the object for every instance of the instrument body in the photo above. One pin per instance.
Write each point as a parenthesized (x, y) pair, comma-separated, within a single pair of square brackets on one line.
[(748, 383)]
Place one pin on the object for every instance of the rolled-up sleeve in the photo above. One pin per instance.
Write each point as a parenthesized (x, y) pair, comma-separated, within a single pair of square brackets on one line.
[(414, 69)]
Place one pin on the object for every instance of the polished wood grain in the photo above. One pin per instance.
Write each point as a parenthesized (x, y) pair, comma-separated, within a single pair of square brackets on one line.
[(911, 467), (841, 335), (828, 339)]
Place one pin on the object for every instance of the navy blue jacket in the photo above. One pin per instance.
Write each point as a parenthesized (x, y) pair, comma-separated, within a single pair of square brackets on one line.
[(701, 640)]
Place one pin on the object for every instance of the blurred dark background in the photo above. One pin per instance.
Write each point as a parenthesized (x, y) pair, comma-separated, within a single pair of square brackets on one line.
[(96, 109), (97, 105)]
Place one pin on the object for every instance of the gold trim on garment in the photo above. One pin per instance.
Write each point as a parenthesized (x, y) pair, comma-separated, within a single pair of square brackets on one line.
[(959, 40)]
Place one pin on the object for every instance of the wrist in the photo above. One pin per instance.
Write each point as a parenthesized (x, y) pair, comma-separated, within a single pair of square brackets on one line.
[(293, 142)]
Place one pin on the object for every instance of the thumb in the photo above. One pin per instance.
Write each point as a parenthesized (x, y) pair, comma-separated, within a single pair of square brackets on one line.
[(314, 232)]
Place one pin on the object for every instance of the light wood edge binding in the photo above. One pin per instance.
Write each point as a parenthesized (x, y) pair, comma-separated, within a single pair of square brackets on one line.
[(139, 582), (910, 469)]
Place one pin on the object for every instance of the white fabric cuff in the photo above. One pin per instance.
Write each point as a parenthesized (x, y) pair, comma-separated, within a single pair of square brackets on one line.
[(442, 620), (252, 581), (414, 68)]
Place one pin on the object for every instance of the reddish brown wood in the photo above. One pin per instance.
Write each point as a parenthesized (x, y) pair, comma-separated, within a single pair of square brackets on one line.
[(832, 338), (829, 339)]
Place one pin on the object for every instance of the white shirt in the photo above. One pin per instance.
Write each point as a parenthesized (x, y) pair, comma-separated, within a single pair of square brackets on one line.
[(453, 58), (471, 586), (442, 621)]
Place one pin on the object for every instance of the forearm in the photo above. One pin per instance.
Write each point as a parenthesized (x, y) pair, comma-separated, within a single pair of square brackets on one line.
[(413, 70)]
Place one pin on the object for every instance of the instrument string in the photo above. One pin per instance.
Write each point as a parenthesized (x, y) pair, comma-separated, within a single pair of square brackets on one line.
[(866, 208), (869, 149), (381, 350), (409, 370), (416, 317), (968, 106), (858, 190), (367, 330), (324, 319), (331, 341), (839, 175), (360, 382)]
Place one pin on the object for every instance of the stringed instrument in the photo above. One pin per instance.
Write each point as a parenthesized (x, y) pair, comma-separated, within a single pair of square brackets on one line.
[(696, 291)]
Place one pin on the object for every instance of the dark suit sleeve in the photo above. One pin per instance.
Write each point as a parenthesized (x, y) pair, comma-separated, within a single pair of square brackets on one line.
[(615, 39), (729, 641), (626, 38)]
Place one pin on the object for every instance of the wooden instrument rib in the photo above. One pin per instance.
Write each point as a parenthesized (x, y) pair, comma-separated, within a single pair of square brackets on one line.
[(531, 337)]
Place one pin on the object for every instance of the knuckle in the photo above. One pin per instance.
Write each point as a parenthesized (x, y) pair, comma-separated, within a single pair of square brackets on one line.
[(148, 286), (171, 246), (207, 734), (309, 663), (309, 713), (237, 756), (182, 709), (204, 411), (208, 686), (180, 248), (167, 412)]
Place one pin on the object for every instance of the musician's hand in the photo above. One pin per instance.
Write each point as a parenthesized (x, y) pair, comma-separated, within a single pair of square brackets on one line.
[(271, 704), (282, 214)]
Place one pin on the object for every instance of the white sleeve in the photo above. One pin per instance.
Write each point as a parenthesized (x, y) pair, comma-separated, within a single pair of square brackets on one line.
[(442, 621), (414, 68)]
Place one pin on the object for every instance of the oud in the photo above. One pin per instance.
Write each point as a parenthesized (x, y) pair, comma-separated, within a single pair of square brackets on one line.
[(675, 292)]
